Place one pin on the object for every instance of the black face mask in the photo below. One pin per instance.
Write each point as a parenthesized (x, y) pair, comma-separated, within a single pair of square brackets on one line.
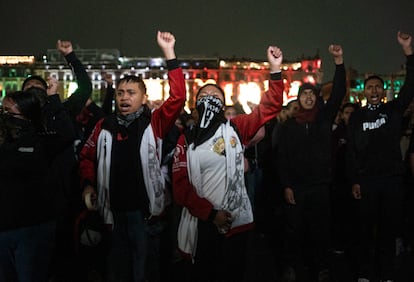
[(209, 108), (211, 116)]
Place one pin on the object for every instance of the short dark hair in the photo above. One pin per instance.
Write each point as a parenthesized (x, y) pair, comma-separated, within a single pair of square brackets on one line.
[(28, 104), (306, 86), (35, 77), (40, 93), (215, 85), (371, 77), (348, 105), (133, 79)]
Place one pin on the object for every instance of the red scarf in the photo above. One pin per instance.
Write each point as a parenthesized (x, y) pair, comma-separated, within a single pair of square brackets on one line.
[(84, 116), (306, 116)]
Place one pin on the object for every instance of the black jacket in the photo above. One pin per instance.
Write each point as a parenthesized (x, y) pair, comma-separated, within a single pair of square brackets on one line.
[(27, 193), (304, 150), (374, 135)]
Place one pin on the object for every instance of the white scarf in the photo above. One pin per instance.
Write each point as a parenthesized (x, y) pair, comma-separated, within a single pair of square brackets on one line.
[(151, 170), (235, 199)]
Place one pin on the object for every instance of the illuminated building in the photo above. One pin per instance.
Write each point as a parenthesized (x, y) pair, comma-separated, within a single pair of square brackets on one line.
[(243, 79), (13, 71)]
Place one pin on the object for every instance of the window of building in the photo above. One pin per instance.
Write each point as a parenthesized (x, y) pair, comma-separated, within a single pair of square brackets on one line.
[(12, 73)]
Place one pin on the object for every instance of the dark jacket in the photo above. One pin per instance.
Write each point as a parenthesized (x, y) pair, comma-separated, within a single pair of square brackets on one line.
[(304, 149), (56, 114), (75, 103), (374, 135), (27, 193)]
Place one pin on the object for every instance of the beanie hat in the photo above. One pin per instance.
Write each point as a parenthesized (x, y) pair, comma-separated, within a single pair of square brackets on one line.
[(35, 77), (306, 86)]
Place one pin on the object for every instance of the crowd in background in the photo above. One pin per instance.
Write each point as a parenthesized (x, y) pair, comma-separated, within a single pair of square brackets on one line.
[(144, 191)]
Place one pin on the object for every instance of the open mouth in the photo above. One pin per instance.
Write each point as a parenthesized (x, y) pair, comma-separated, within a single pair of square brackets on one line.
[(124, 107), (375, 98), (309, 102)]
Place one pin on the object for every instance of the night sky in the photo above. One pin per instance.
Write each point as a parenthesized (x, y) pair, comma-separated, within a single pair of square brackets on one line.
[(222, 28)]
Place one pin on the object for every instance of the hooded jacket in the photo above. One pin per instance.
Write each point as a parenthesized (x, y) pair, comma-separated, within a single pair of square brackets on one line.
[(304, 151)]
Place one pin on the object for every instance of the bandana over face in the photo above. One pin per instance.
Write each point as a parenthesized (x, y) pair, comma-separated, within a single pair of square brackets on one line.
[(210, 117), (208, 108)]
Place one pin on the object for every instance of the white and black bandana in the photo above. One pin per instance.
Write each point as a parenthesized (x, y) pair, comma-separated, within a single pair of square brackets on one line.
[(208, 108), (211, 116)]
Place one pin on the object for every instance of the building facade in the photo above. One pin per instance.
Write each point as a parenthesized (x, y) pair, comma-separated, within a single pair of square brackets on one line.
[(241, 79)]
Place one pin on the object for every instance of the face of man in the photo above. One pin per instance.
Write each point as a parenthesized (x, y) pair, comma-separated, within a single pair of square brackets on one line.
[(129, 97), (33, 83), (230, 113), (293, 109), (11, 108), (346, 114), (307, 99), (374, 91)]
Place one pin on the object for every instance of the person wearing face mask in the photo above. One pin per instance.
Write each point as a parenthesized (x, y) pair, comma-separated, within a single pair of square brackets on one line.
[(27, 202), (208, 180), (304, 160), (376, 168)]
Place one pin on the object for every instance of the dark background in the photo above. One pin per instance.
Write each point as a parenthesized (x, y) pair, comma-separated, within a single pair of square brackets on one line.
[(366, 29)]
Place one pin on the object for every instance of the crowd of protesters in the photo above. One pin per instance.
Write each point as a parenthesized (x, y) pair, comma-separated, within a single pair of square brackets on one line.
[(144, 191)]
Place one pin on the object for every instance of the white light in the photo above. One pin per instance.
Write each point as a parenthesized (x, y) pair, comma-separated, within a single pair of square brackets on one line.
[(72, 88), (166, 91), (156, 62), (154, 89), (228, 92), (294, 88), (311, 79), (249, 92), (199, 82)]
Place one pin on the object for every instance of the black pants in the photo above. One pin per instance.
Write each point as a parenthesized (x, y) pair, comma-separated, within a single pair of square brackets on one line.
[(219, 258), (380, 211), (308, 230)]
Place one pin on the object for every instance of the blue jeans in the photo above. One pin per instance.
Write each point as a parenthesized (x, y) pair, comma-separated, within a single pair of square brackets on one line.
[(253, 179), (134, 248), (25, 253)]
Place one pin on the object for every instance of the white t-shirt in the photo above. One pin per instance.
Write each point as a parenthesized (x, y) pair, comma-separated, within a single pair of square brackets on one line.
[(213, 168)]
